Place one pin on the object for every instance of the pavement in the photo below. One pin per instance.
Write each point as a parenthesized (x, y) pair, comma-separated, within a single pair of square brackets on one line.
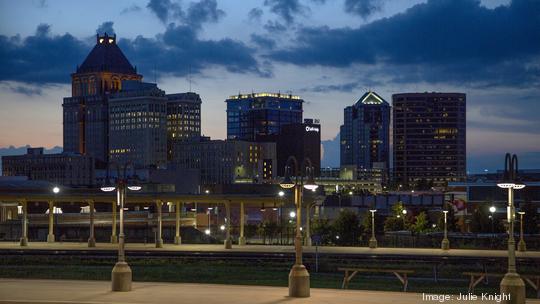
[(98, 292), (270, 249)]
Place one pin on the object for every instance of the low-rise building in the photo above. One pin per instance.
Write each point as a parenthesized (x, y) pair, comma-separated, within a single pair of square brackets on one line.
[(61, 168), (227, 161)]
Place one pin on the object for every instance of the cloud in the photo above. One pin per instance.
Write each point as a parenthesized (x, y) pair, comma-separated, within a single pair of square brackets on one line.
[(286, 9), (202, 12), (47, 58), (363, 8), (131, 9), (263, 42), (274, 27), (106, 27), (40, 58), (255, 14), (196, 14), (163, 8), (165, 50), (458, 41), (25, 90)]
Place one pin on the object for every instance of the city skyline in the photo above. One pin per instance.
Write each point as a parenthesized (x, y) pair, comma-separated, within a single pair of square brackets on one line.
[(265, 56)]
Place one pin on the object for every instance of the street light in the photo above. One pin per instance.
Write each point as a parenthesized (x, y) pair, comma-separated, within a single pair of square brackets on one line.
[(56, 190), (298, 276), (121, 273), (373, 240), (292, 214), (512, 283), (521, 244), (445, 244)]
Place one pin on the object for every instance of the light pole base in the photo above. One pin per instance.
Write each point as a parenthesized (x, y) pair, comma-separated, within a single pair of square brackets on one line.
[(299, 282), (121, 277), (114, 239), (24, 241), (228, 243), (445, 244), (372, 243), (177, 240), (513, 287), (522, 246), (159, 243), (91, 242), (242, 241), (50, 238)]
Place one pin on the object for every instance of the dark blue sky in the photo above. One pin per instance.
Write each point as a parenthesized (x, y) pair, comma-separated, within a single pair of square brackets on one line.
[(329, 52)]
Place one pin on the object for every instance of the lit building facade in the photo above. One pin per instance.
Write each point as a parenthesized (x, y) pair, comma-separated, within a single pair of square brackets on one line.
[(429, 138), (227, 161), (85, 117), (251, 116), (138, 125), (365, 134), (67, 169), (183, 119)]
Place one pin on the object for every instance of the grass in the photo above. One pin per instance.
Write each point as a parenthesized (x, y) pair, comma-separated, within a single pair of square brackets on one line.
[(244, 272)]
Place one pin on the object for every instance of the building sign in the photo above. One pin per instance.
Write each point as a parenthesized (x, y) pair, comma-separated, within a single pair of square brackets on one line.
[(312, 129)]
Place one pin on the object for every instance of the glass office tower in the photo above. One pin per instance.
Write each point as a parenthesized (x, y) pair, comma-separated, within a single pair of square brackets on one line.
[(251, 117)]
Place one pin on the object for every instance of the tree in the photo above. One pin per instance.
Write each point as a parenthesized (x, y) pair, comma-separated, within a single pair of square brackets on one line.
[(322, 228), (397, 221), (347, 227), (421, 223)]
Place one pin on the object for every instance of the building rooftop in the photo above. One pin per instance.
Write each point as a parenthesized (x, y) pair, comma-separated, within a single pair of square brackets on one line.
[(106, 56), (265, 94), (371, 98), (184, 97)]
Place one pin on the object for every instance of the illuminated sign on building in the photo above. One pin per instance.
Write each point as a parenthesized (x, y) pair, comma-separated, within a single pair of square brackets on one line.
[(312, 129)]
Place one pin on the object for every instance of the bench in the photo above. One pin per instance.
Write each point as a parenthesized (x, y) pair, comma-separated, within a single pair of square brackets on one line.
[(399, 273), (477, 277)]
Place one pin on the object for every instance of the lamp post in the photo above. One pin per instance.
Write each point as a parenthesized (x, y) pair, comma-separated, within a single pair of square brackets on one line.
[(512, 284), (121, 273), (521, 244), (298, 276), (445, 244), (372, 240)]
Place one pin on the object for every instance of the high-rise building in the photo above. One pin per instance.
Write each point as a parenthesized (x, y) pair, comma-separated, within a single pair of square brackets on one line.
[(301, 140), (429, 138), (183, 119), (138, 125), (365, 134), (256, 115), (86, 111), (227, 161)]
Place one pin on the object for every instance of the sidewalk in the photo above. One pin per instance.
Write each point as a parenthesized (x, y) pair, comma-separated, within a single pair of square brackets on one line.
[(98, 292)]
